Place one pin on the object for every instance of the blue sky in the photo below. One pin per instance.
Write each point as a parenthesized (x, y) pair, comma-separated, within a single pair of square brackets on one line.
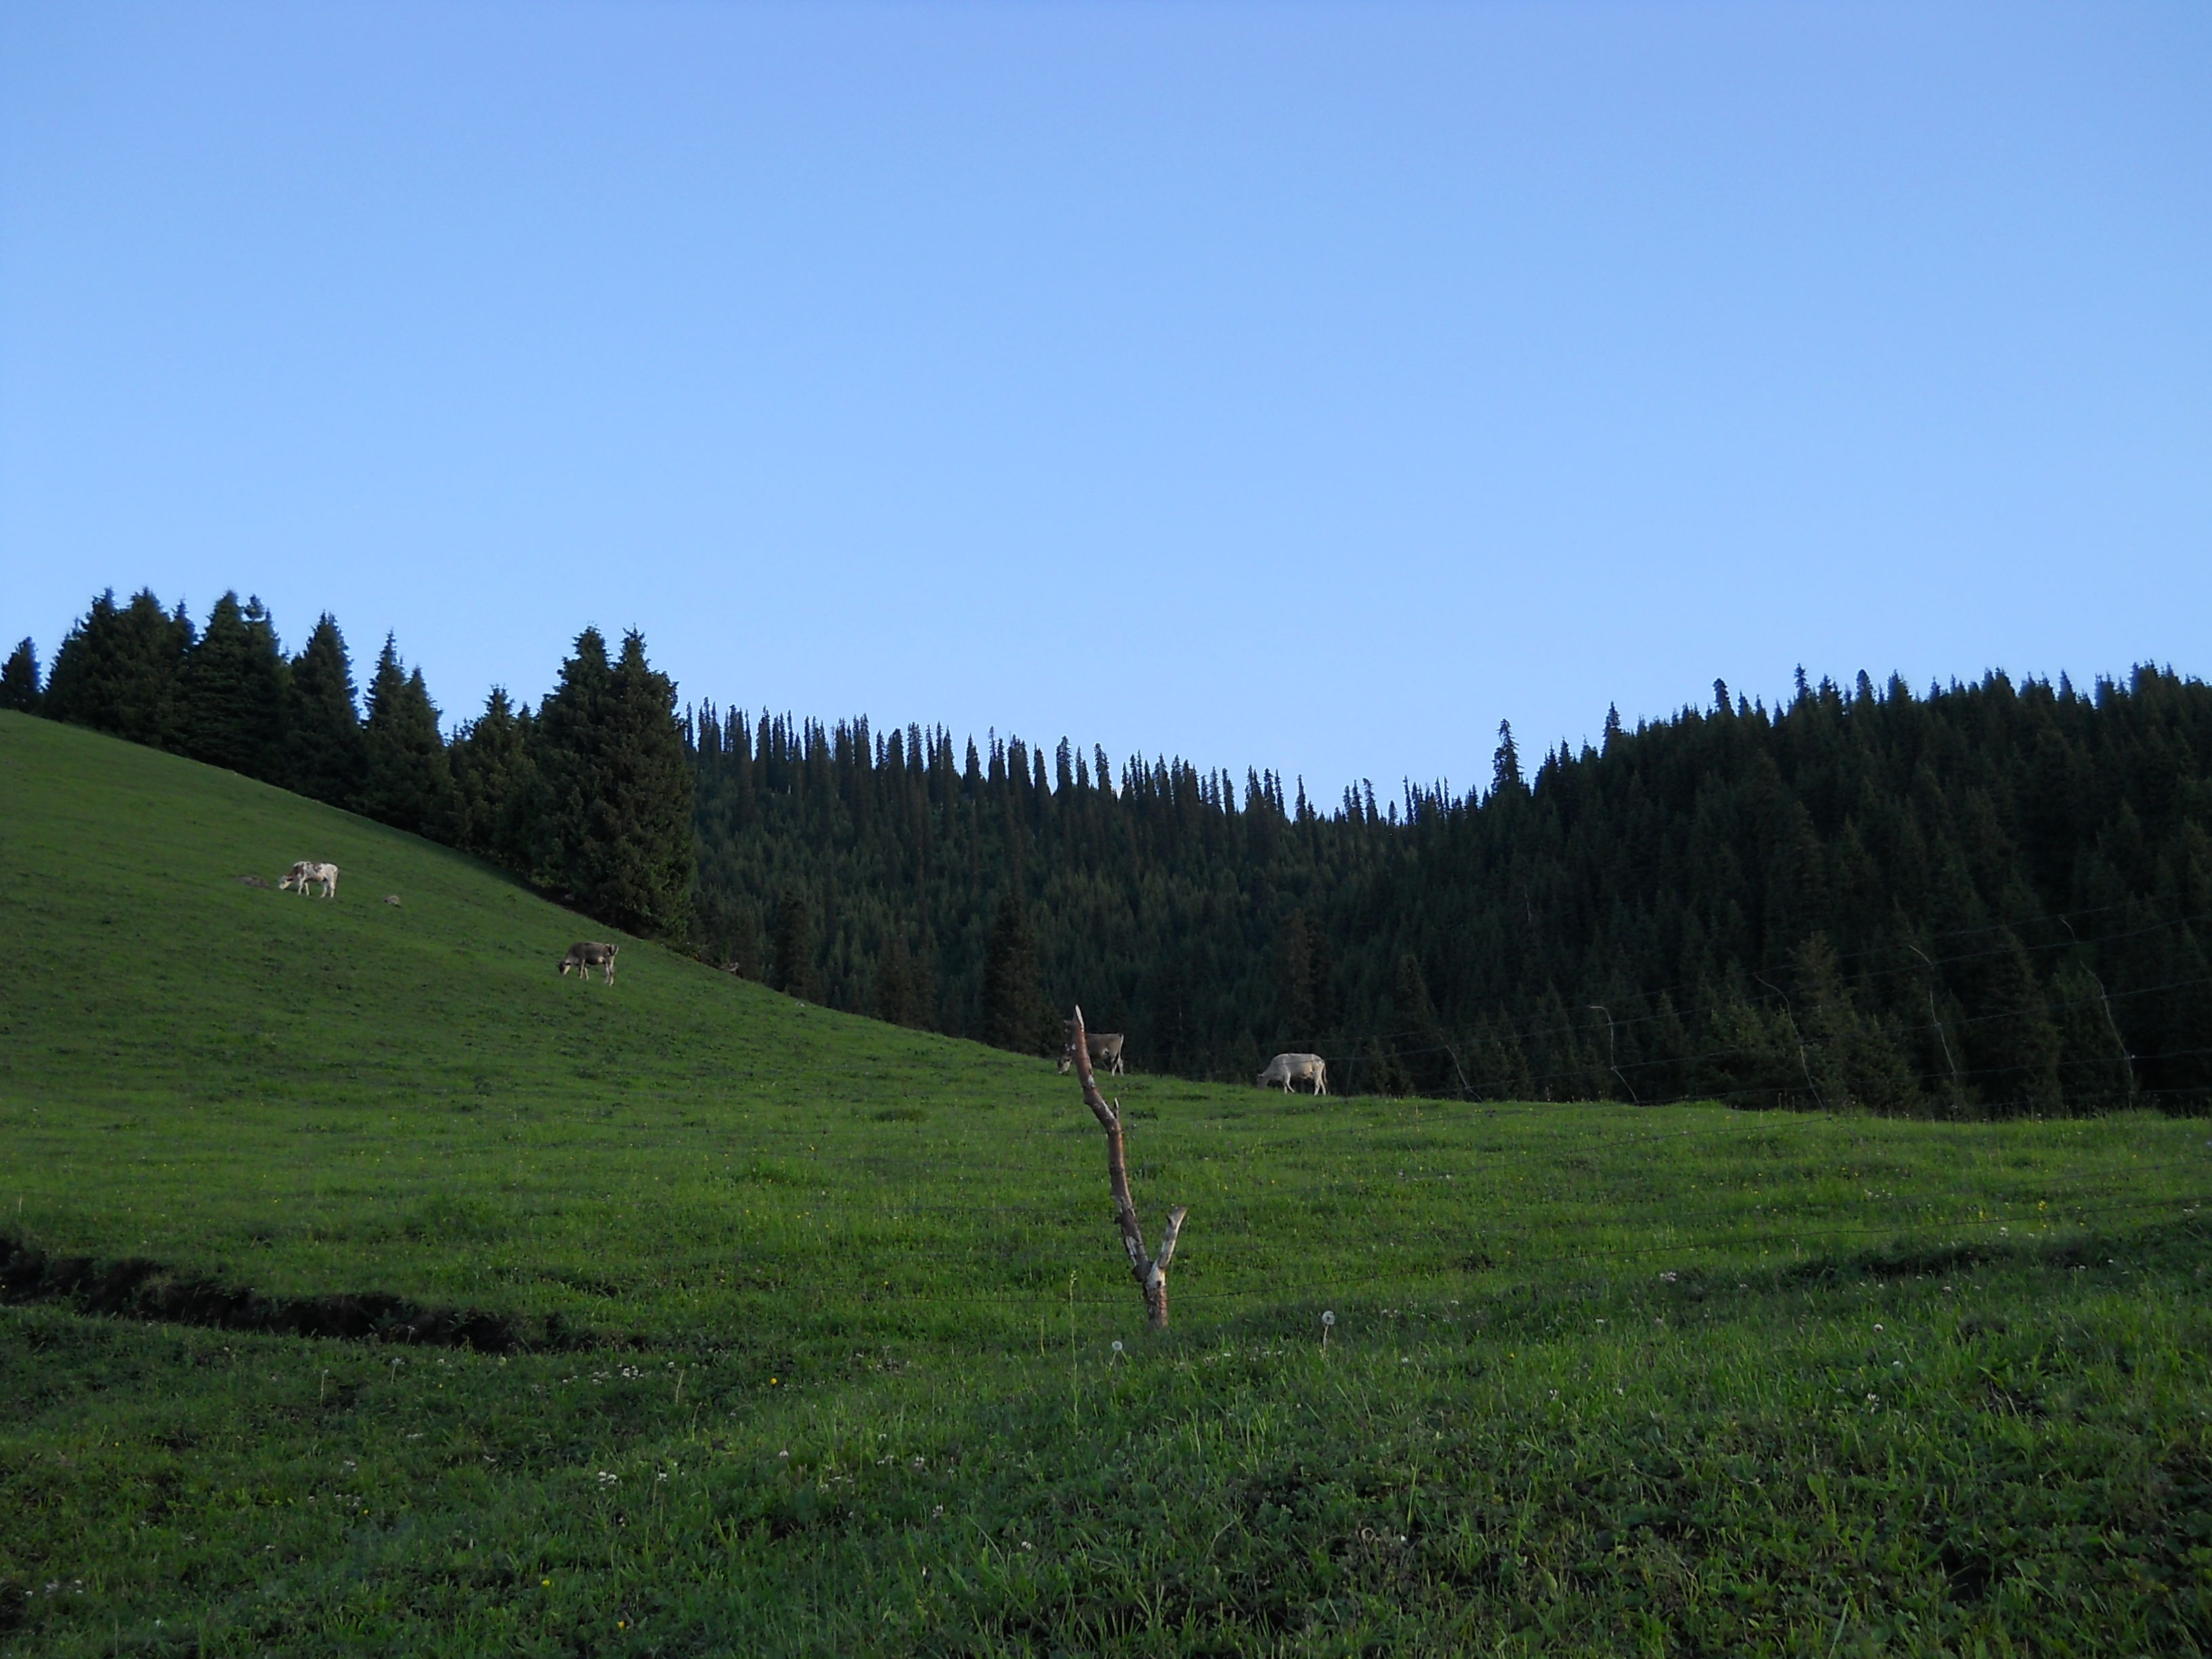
[(1301, 386)]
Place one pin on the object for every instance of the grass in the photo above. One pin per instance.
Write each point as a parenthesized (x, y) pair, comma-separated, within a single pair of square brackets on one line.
[(813, 1320)]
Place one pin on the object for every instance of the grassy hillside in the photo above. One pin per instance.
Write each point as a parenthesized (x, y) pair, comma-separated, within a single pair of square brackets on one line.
[(811, 1323)]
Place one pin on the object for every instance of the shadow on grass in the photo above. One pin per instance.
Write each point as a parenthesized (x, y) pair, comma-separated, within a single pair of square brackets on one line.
[(137, 1288)]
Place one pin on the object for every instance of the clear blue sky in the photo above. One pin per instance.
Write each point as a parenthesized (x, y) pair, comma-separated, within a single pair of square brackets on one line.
[(1305, 386)]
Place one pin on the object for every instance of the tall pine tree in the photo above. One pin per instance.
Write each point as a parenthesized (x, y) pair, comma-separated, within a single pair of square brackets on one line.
[(1014, 1010), (790, 966), (619, 786), (19, 679), (495, 784), (120, 670), (236, 685), (410, 782), (329, 755)]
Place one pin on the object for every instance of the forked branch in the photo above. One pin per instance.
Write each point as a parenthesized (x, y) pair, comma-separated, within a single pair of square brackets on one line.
[(1150, 1271)]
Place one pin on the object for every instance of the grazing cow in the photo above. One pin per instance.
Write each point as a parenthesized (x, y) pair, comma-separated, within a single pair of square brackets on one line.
[(586, 955), (1105, 1050), (1287, 1069), (307, 871)]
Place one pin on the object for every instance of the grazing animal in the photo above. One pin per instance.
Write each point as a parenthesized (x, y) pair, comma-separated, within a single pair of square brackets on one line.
[(391, 898), (586, 955), (1286, 1069), (1105, 1050), (306, 871)]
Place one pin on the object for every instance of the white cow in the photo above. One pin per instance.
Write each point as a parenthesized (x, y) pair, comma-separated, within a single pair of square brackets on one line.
[(307, 871), (1286, 1069), (586, 955)]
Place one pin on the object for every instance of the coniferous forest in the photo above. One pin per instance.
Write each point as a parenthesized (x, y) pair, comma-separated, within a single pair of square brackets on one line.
[(1990, 899)]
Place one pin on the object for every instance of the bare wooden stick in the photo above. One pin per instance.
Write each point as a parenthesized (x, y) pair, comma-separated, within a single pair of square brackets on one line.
[(1150, 1271)]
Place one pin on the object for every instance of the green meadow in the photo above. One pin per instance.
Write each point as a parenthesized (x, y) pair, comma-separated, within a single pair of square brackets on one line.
[(791, 1333)]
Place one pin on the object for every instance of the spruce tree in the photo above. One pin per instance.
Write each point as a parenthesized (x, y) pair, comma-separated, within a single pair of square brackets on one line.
[(1420, 1039), (791, 967), (618, 790), (408, 783), (236, 686), (19, 679), (1749, 1056), (1014, 1010), (894, 1000), (1664, 1074), (1297, 1020), (921, 985), (119, 670), (2012, 1047), (329, 757), (716, 920), (2095, 1069), (495, 785), (1852, 1063), (1505, 766), (1386, 1071)]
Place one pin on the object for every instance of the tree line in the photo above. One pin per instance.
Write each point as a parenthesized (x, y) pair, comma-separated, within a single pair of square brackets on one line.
[(1990, 899)]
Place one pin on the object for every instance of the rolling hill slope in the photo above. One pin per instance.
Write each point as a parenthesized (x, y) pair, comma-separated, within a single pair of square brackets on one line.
[(310, 1093), (813, 1334)]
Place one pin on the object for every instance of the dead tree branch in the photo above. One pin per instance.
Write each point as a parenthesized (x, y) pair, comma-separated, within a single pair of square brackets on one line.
[(1150, 1271)]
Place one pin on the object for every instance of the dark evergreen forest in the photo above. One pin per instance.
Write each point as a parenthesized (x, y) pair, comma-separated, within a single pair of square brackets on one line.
[(1991, 899)]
